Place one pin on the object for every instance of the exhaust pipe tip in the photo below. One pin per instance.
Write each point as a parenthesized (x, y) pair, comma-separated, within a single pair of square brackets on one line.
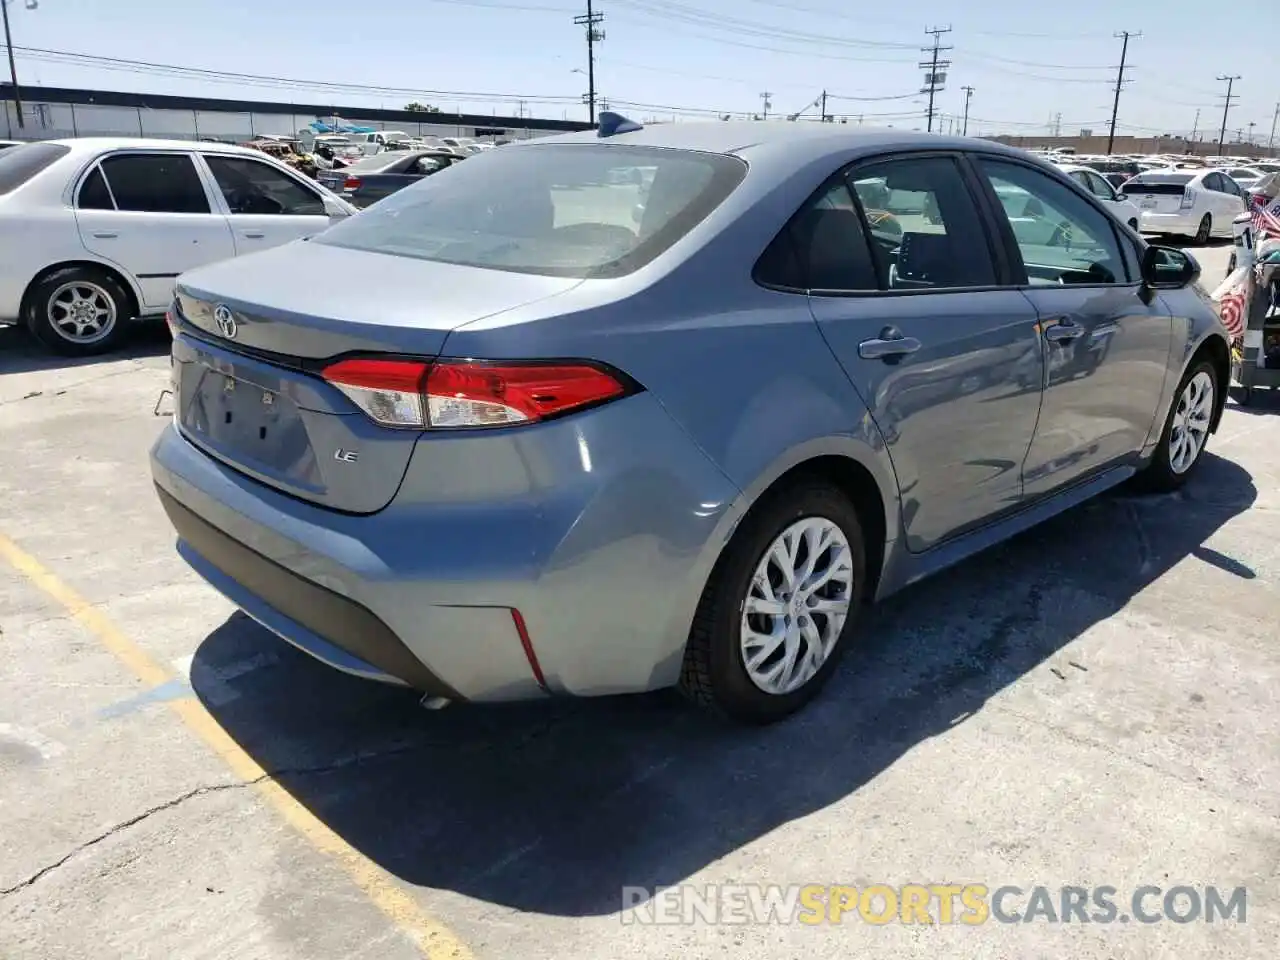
[(429, 702)]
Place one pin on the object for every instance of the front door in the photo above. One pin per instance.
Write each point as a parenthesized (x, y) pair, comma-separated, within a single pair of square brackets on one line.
[(149, 214), (947, 362), (266, 206), (1105, 349)]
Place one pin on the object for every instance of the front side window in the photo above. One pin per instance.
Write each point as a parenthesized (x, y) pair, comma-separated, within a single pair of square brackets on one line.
[(550, 209), (1100, 188), (155, 183), (924, 224), (1068, 241), (251, 187)]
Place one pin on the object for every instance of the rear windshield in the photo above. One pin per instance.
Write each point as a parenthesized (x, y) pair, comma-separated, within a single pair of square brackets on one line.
[(379, 161), (1178, 179), (565, 210), (20, 164)]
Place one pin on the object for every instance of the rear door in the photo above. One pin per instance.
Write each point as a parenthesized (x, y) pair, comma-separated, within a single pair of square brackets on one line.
[(265, 206), (150, 214), (906, 288), (1106, 351)]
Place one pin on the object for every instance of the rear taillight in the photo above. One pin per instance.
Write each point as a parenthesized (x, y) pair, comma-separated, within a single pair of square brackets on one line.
[(470, 393), (351, 183), (171, 321), (1188, 199)]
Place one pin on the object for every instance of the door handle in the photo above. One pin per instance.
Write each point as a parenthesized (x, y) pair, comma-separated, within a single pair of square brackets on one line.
[(253, 235), (891, 343), (1063, 331), (105, 236)]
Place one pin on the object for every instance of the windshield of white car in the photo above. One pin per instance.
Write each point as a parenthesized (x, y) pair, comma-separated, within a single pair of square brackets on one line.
[(564, 210), (20, 164)]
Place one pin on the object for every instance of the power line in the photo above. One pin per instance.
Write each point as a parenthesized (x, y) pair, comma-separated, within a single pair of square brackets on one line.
[(591, 20), (1226, 108), (936, 78), (1115, 106)]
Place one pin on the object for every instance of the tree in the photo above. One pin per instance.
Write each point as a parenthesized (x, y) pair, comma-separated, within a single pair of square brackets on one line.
[(416, 107)]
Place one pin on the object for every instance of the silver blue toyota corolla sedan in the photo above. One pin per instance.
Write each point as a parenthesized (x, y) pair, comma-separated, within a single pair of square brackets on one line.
[(645, 407)]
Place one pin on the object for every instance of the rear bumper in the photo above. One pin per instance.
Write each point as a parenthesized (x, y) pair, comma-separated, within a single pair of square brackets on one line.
[(1183, 223), (603, 556)]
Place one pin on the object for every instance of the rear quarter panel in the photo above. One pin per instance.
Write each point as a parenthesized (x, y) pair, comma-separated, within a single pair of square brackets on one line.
[(743, 371)]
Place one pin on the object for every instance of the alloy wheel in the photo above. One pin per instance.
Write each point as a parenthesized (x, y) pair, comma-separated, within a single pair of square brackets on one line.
[(1191, 422), (796, 605), (81, 312)]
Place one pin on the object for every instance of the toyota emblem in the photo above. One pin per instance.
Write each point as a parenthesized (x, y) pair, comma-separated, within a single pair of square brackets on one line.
[(226, 322)]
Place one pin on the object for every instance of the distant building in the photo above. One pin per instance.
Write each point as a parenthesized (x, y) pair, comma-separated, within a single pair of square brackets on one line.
[(51, 112)]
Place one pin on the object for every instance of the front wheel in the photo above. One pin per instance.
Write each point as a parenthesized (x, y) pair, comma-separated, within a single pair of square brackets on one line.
[(779, 607), (1186, 431)]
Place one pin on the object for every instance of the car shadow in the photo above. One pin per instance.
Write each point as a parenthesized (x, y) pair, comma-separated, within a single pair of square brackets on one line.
[(1262, 401), (20, 352), (553, 807)]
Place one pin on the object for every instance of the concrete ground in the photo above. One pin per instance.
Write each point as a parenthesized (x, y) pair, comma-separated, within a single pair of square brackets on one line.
[(1094, 703)]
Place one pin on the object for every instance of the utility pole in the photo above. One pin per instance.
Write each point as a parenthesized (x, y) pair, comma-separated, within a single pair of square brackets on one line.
[(1195, 127), (1226, 107), (590, 20), (968, 95), (1115, 105), (825, 119), (936, 77), (1275, 116), (764, 98), (13, 69)]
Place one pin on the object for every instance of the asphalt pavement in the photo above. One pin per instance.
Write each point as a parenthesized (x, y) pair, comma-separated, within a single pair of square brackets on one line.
[(1092, 704)]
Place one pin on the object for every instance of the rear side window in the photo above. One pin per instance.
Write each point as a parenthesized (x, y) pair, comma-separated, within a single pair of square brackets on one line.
[(567, 210), (824, 247), (155, 183), (252, 187), (94, 194), (20, 164), (925, 228)]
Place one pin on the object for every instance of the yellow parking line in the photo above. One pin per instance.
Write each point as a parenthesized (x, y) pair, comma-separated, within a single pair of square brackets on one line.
[(433, 939)]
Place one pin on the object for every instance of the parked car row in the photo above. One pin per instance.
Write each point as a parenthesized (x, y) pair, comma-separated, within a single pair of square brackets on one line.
[(1193, 197), (95, 231)]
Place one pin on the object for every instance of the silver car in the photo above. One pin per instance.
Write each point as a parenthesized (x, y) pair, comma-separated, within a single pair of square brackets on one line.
[(668, 406)]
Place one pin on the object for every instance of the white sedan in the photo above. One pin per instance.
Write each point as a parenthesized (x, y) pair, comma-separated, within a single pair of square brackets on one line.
[(1192, 203), (94, 231), (1121, 208)]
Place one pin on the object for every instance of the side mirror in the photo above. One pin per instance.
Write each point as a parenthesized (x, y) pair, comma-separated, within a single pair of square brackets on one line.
[(1169, 268), (335, 210), (1120, 195)]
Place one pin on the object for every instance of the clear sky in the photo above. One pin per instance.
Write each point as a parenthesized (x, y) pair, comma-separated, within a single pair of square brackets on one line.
[(1028, 62)]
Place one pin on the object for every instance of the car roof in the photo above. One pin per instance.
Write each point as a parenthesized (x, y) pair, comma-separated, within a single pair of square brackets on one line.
[(760, 135), (87, 145)]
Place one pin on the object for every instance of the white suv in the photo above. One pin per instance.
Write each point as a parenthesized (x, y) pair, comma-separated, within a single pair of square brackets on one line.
[(94, 231)]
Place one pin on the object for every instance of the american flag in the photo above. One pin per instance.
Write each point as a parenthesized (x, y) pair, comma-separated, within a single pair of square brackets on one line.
[(1231, 309), (1266, 217)]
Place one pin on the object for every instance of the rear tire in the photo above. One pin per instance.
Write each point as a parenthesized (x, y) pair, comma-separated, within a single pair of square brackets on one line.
[(1204, 231), (1188, 421), (796, 626), (79, 312)]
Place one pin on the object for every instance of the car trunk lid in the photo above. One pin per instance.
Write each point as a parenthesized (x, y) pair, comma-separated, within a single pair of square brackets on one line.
[(1156, 197), (246, 367)]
